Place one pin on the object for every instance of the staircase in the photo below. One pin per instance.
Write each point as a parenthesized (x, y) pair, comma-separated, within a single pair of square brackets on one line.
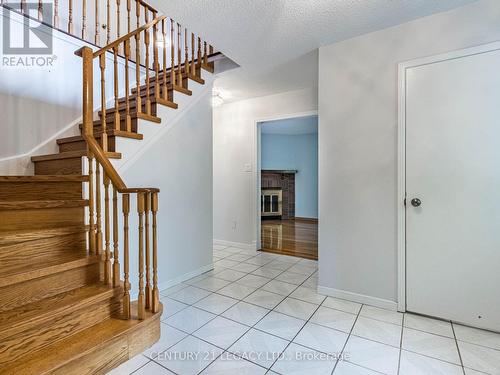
[(65, 288)]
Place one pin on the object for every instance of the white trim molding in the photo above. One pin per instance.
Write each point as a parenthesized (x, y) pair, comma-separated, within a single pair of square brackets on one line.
[(401, 194), (359, 298), (241, 245), (180, 279)]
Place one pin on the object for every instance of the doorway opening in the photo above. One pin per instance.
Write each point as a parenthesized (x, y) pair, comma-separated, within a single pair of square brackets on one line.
[(288, 189)]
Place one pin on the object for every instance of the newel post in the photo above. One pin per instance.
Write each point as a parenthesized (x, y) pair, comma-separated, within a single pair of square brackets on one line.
[(87, 55)]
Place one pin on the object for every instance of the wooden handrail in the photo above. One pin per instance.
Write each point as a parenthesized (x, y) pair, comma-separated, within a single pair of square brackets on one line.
[(131, 34)]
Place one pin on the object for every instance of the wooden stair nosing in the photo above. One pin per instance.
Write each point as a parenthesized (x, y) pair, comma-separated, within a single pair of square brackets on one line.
[(97, 135), (46, 178), (13, 237), (39, 312), (21, 205), (45, 270), (133, 103), (71, 155), (177, 88)]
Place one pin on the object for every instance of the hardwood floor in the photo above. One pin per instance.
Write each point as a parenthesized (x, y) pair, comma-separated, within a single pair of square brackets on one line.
[(290, 237)]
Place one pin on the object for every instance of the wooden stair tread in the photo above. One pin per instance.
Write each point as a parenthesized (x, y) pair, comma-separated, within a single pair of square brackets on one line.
[(21, 205), (45, 178), (152, 85), (97, 135), (70, 155), (12, 237), (153, 100), (38, 312), (33, 271), (96, 338)]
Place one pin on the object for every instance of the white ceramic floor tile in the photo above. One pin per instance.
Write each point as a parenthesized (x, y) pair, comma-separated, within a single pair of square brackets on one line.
[(211, 284), (171, 307), (259, 347), (130, 366), (469, 371), (388, 316), (195, 279), (279, 287), (237, 291), (190, 319), (219, 247), (229, 275), (321, 338), (216, 303), (299, 360), (280, 325), (253, 281), (311, 283), (416, 364), (439, 347), (303, 269), (153, 368), (267, 272), (347, 368), (372, 355), (422, 323), (335, 319), (174, 289), (221, 332), (480, 358), (377, 330), (264, 298), (342, 305), (239, 257), (169, 336), (258, 261), (477, 336), (278, 265), (308, 295), (292, 278), (189, 356), (245, 267), (189, 295), (229, 364), (245, 313), (296, 308)]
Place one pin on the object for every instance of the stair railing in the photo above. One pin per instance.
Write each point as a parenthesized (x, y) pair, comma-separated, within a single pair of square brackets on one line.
[(160, 78)]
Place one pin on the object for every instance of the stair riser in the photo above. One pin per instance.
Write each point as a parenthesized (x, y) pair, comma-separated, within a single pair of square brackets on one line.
[(170, 95), (82, 145), (38, 251), (41, 218), (28, 191), (111, 125), (36, 338), (152, 84), (62, 166), (110, 113), (34, 290)]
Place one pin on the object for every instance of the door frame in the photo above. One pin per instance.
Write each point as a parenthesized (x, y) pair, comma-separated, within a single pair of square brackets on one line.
[(257, 162), (401, 169)]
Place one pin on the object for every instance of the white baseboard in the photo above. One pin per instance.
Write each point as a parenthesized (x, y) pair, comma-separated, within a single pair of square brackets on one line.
[(242, 245), (359, 298), (186, 276)]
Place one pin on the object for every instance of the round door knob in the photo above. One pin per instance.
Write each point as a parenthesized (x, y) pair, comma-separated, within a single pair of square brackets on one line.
[(415, 202)]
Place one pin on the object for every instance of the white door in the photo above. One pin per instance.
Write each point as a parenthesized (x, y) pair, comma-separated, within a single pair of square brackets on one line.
[(453, 168)]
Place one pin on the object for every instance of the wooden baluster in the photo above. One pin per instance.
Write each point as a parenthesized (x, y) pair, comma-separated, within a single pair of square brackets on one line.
[(165, 90), (156, 293), (186, 53), (107, 251), (193, 65), (147, 66), (128, 120), (199, 52), (156, 64), (84, 19), (88, 90), (70, 17), (210, 49), (138, 13), (140, 299), (23, 6), (108, 22), (117, 112), (56, 14), (117, 19), (98, 208), (205, 56), (129, 7), (40, 10), (96, 15), (138, 102), (126, 263), (172, 53), (116, 255), (104, 136), (147, 209), (179, 56), (92, 238)]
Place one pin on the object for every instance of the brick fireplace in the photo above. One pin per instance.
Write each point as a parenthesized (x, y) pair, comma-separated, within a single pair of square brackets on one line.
[(284, 181)]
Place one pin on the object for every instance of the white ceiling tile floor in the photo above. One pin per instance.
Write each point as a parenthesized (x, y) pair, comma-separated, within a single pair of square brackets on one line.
[(271, 320)]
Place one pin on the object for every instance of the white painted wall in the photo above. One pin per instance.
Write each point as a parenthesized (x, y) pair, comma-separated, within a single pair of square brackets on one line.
[(357, 145), (235, 137)]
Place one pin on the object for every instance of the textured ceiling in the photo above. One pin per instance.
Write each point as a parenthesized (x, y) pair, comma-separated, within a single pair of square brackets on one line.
[(265, 36), (292, 126)]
